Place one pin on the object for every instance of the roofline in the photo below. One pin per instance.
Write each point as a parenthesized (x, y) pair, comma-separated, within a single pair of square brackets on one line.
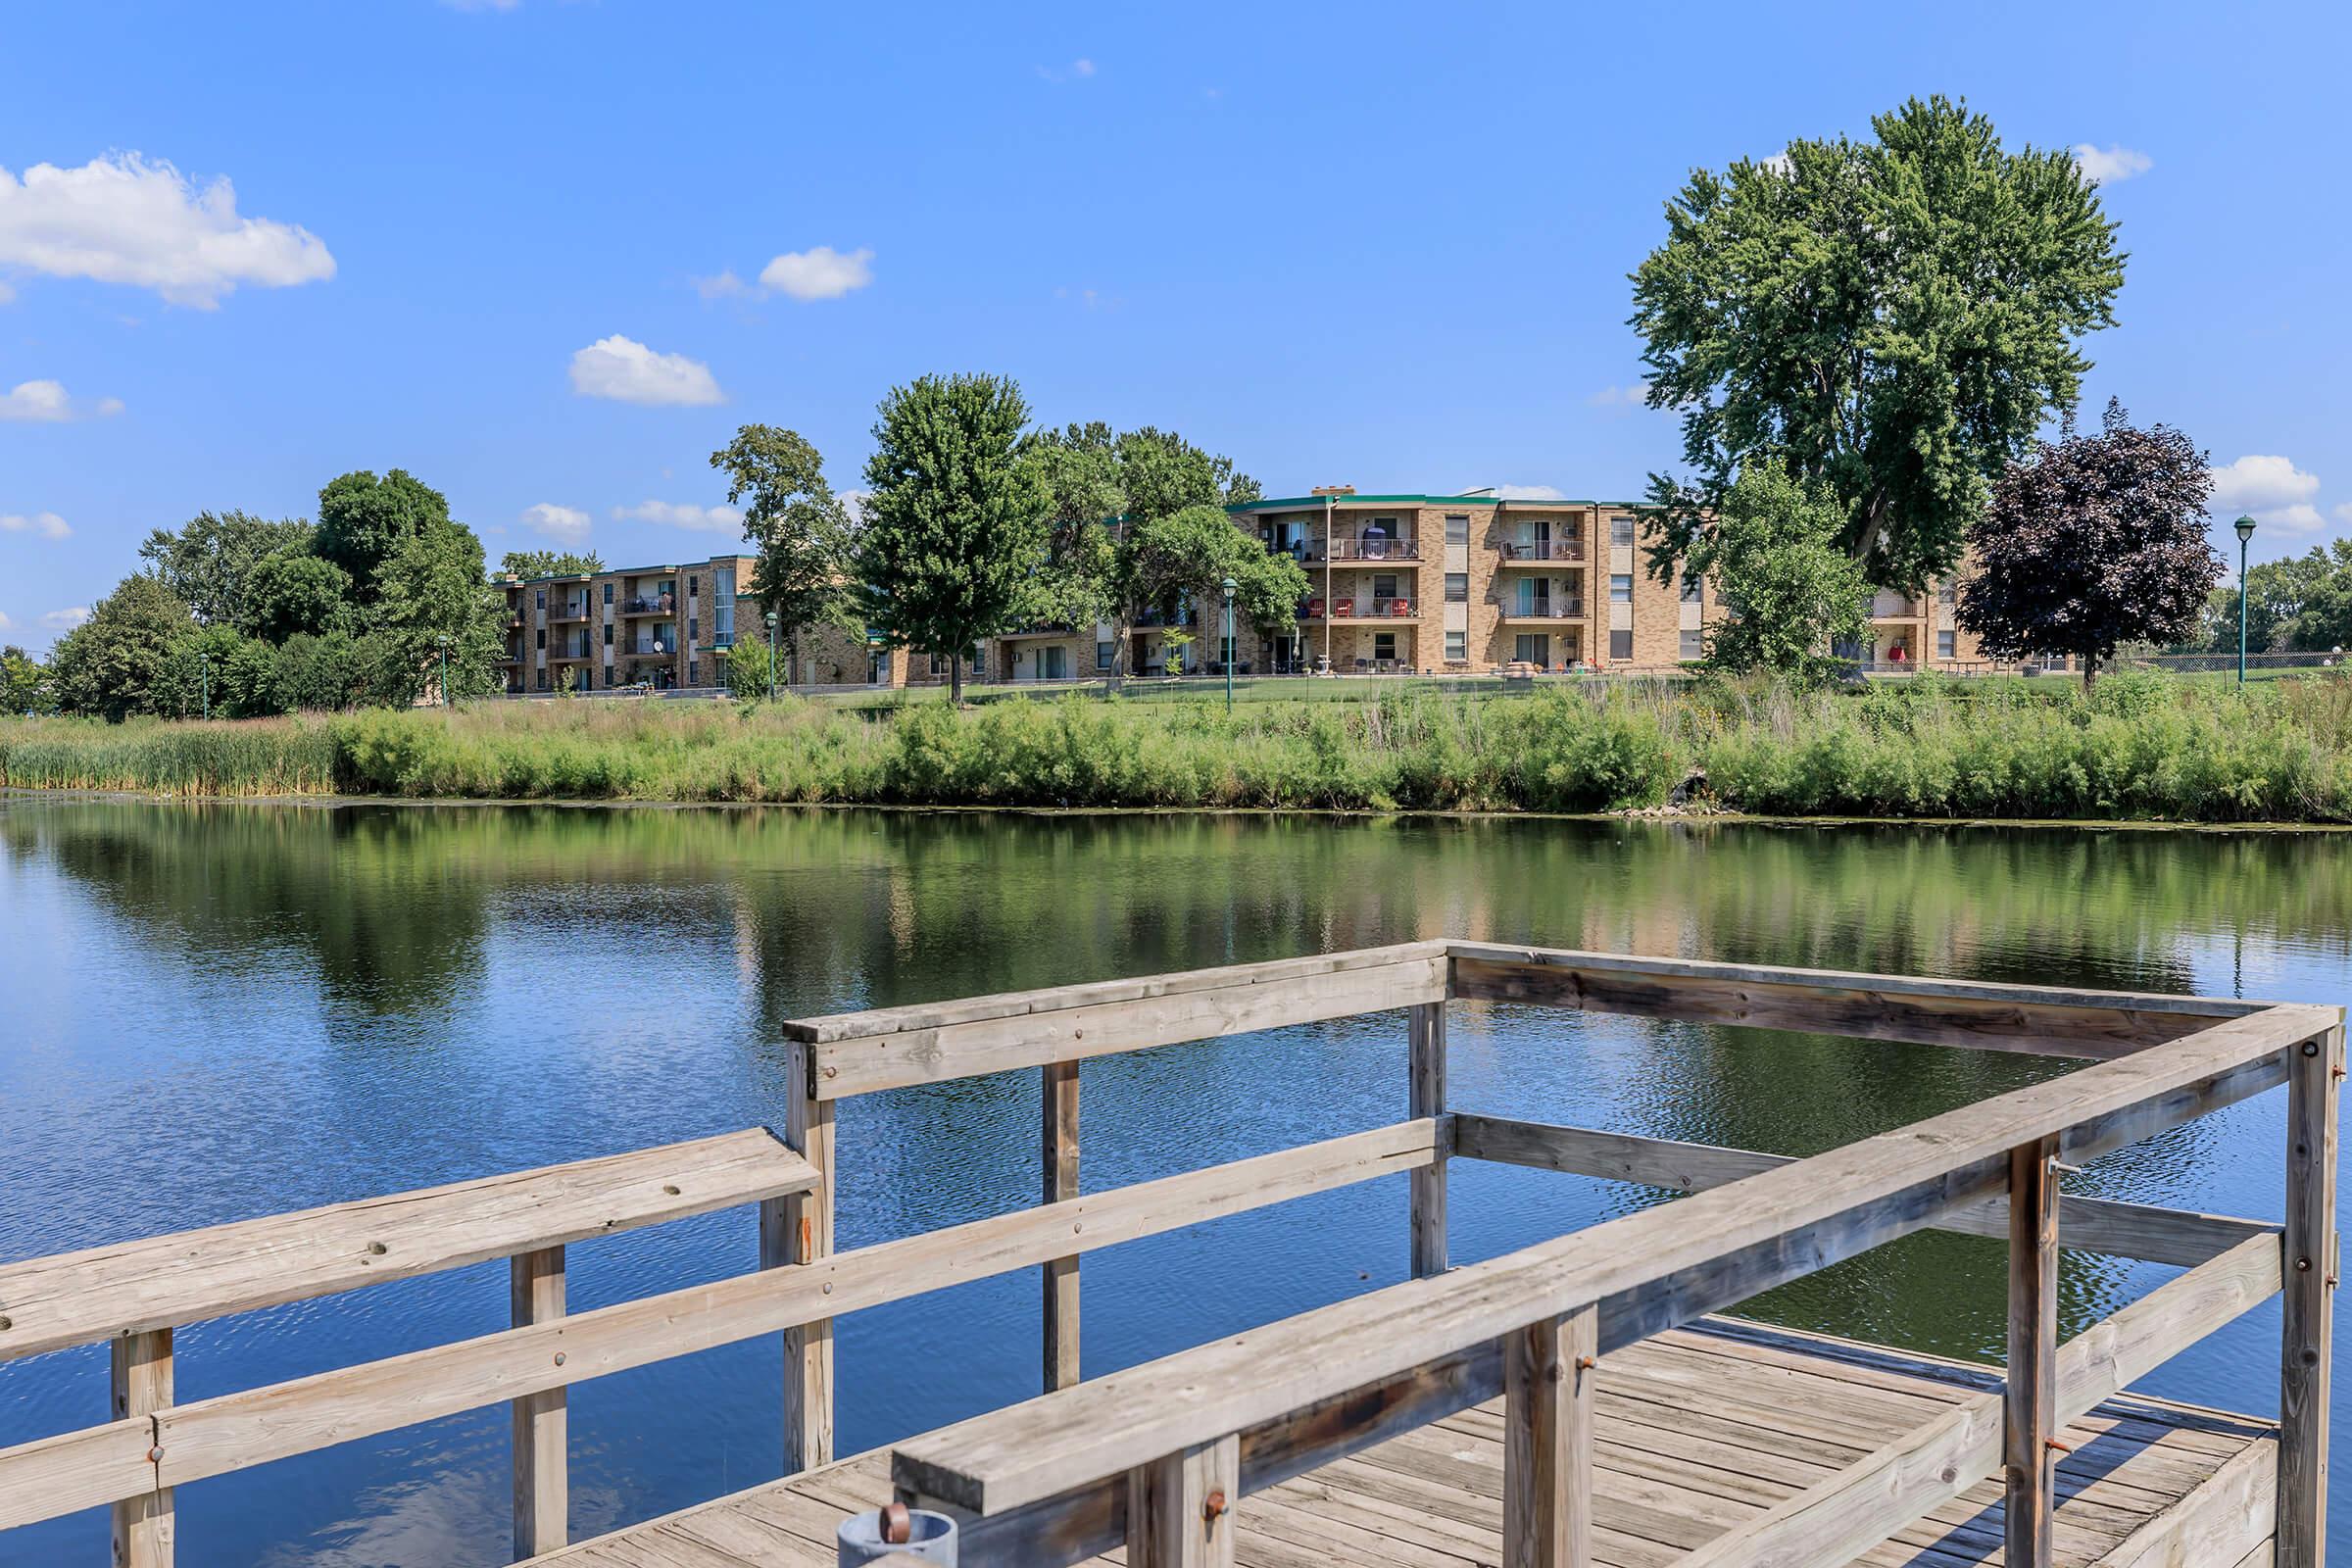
[(499, 579), (1317, 503)]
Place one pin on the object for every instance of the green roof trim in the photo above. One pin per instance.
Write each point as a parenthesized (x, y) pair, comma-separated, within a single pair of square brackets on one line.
[(1315, 502), (499, 579)]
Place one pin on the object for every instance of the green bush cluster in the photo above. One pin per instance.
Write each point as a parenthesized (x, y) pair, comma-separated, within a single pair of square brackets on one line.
[(2134, 747)]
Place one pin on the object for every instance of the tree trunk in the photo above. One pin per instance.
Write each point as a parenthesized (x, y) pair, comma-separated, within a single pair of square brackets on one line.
[(2091, 670), (956, 680), (1122, 632)]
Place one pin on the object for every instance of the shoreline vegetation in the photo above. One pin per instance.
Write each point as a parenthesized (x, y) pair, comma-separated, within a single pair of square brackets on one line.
[(2134, 749)]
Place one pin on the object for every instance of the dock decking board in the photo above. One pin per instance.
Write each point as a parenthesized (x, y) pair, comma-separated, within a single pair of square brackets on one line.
[(1699, 1430)]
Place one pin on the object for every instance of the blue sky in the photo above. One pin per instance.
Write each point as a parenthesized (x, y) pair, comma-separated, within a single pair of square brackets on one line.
[(519, 249)]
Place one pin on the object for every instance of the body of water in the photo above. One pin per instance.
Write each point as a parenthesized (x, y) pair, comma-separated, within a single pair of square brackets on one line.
[(215, 1012)]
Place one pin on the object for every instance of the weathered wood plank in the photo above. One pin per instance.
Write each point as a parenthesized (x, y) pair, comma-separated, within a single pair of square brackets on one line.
[(1927, 1467), (1671, 1264), (2142, 1231), (891, 1058), (1548, 1442), (2029, 1386), (1180, 1508), (808, 1221), (542, 1421), (2228, 1513), (143, 1525), (2044, 1019), (1059, 1093), (2312, 1267), (1426, 1097), (231, 1432), (167, 1281)]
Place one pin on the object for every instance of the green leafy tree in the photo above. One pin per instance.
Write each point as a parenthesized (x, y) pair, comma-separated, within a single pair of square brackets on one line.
[(748, 669), (1774, 559), (1894, 318), (551, 563), (296, 593), (1179, 563), (2094, 541), (432, 599), (2302, 603), (798, 526), (109, 665), (210, 563), (24, 686), (322, 673), (218, 671), (954, 526), (365, 521)]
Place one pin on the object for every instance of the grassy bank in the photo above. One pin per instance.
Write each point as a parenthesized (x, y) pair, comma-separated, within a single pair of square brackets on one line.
[(2138, 749)]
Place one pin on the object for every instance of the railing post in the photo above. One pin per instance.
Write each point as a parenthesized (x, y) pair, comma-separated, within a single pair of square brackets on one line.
[(1547, 1375), (2311, 1261), (800, 1231), (1180, 1508), (142, 1385), (1426, 1097), (1060, 1276), (2030, 1388), (542, 1421)]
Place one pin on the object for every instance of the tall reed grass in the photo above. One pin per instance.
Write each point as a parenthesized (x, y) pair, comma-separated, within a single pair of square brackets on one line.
[(2137, 748)]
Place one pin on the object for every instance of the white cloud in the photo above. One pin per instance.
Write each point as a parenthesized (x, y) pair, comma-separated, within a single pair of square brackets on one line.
[(2344, 511), (725, 286), (5, 622), (672, 515), (1779, 163), (821, 273), (1633, 395), (627, 371), (1076, 71), (6, 293), (48, 524), (66, 620), (2108, 165), (854, 503), (47, 402), (1530, 492), (564, 525), (2271, 488), (121, 219)]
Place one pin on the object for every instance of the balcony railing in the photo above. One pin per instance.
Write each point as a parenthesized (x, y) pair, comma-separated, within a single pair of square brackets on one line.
[(578, 612), (643, 605), (1345, 607), (649, 650), (1545, 610), (1542, 550), (1375, 549)]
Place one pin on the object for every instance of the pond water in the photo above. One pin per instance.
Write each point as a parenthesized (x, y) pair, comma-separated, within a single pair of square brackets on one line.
[(214, 1011)]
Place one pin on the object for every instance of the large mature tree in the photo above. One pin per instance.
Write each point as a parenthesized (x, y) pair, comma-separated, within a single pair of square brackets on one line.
[(1181, 561), (1895, 317), (1773, 558), (551, 563), (364, 521), (433, 599), (210, 562), (954, 519), (109, 665), (24, 686), (295, 593), (2094, 541), (798, 526)]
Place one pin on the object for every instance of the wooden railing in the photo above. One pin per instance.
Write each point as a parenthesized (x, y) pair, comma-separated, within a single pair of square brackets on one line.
[(1128, 1457)]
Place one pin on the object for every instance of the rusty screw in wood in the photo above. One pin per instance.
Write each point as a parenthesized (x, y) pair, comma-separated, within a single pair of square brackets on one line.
[(2302, 1265), (559, 1358), (1212, 1506), (2062, 1448), (155, 1456), (1584, 1363)]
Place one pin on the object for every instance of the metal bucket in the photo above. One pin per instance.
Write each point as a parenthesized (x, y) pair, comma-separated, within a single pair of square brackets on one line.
[(896, 1532)]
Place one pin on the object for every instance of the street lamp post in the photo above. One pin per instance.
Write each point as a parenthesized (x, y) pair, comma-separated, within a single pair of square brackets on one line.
[(772, 656), (2246, 536), (443, 640), (1229, 585), (204, 681)]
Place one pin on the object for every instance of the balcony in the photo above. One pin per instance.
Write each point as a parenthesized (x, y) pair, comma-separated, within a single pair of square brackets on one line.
[(1364, 608), (654, 605), (1545, 610), (574, 611), (1530, 551), (1375, 549), (654, 650)]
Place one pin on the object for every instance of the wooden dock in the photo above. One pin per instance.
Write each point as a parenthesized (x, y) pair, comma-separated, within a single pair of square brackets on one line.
[(1578, 1401), (1697, 1432)]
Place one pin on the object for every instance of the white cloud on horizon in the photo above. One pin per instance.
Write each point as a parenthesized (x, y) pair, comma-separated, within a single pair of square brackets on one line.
[(47, 402), (1633, 395), (66, 620), (1530, 492), (123, 218), (675, 514), (625, 371), (2111, 165), (1078, 69), (2268, 487), (821, 272), (47, 524), (564, 525)]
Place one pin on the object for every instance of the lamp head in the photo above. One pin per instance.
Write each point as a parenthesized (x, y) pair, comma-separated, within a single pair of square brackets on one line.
[(1230, 585), (2246, 529)]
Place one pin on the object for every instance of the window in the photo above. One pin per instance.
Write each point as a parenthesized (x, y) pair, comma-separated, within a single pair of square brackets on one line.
[(694, 584), (608, 593), (542, 597), (694, 672), (1458, 587), (1384, 586), (1053, 662), (1621, 645), (1947, 591), (1621, 530), (543, 681), (1695, 645), (722, 607), (1692, 590), (588, 679), (1102, 656), (541, 634), (1457, 531), (1532, 648), (694, 629), (1384, 645), (1947, 645), (1457, 648), (608, 634), (1621, 588)]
